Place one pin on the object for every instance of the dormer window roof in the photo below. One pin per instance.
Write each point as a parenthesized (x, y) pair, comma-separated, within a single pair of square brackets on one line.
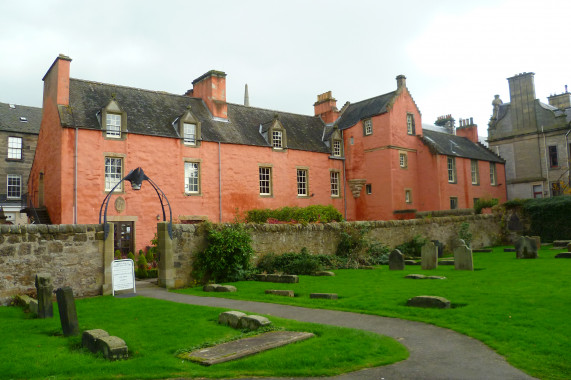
[(113, 121), (188, 128), (274, 133)]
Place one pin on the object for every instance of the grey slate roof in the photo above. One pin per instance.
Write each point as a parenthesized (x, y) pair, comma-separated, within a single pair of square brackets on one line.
[(10, 119), (153, 112), (364, 109), (452, 145)]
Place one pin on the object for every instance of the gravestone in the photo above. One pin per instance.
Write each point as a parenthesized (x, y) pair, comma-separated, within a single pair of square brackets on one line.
[(514, 224), (463, 258), (429, 301), (280, 292), (396, 260), (67, 312), (325, 296), (526, 248), (44, 289), (440, 246), (537, 241), (231, 318), (429, 256)]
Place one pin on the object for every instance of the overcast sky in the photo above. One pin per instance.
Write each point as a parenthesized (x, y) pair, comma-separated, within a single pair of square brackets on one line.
[(455, 54)]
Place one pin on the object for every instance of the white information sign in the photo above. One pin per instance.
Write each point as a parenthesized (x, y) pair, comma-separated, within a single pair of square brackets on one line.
[(123, 275)]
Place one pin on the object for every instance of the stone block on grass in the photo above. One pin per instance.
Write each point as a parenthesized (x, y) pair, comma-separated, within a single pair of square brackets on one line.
[(414, 276), (326, 296), (411, 262), (446, 262), (254, 322), (28, 303), (279, 292), (261, 277), (325, 273), (113, 348), (429, 301), (226, 289), (210, 287), (563, 255), (89, 338), (231, 318)]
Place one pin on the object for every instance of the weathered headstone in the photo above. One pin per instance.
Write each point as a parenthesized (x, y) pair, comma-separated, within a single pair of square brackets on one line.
[(254, 322), (280, 292), (429, 256), (396, 260), (113, 348), (563, 255), (526, 248), (440, 246), (226, 289), (210, 287), (44, 289), (326, 296), (537, 241), (325, 273), (429, 301), (231, 318), (89, 338), (463, 258), (67, 312), (514, 224)]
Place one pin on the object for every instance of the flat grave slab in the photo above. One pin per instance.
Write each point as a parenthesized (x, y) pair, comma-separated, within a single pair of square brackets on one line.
[(244, 347)]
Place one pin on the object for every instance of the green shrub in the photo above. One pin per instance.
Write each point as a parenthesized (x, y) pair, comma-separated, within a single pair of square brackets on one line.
[(309, 214), (118, 255), (465, 234), (549, 217), (302, 263), (413, 247), (228, 255), (131, 256), (483, 203), (378, 253), (141, 266)]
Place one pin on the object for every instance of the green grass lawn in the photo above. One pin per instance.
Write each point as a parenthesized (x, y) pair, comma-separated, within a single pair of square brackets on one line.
[(155, 330), (520, 308)]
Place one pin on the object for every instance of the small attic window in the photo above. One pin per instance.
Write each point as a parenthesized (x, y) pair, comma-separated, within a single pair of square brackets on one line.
[(23, 119)]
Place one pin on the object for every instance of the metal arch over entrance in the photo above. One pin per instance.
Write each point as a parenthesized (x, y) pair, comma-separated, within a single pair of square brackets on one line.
[(136, 178)]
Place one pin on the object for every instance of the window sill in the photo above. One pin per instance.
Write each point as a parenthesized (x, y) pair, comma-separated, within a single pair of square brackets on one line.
[(266, 196), (193, 194), (15, 159)]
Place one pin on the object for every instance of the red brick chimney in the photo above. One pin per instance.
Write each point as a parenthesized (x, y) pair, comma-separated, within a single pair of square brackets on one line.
[(211, 87), (326, 107), (56, 80), (468, 129)]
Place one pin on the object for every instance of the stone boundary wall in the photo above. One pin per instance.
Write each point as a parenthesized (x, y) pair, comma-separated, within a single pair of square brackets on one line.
[(323, 238), (72, 254)]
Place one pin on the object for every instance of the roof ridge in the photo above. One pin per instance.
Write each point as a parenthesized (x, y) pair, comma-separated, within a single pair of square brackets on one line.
[(373, 97), (268, 109), (133, 88), (20, 105)]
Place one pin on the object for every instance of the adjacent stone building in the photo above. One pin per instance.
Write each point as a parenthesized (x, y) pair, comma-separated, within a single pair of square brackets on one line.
[(19, 129), (533, 138), (213, 159)]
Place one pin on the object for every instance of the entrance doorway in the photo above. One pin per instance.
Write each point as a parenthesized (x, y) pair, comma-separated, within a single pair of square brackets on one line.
[(124, 237)]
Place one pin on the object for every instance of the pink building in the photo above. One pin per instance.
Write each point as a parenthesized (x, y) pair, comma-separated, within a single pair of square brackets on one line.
[(214, 159)]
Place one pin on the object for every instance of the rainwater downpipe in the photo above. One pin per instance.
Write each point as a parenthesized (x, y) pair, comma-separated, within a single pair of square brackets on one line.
[(75, 178), (219, 184), (568, 156), (546, 165), (344, 179)]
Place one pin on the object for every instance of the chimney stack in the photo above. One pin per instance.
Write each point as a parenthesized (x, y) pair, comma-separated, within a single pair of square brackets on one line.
[(401, 81), (56, 80), (246, 96), (326, 107), (522, 100), (468, 129), (211, 88)]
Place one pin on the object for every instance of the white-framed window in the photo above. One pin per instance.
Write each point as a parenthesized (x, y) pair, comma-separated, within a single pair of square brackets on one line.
[(451, 169), (277, 139), (189, 133), (537, 191), (302, 188), (113, 172), (475, 172), (14, 186), (453, 203), (334, 177), (265, 180), (192, 177), (337, 148), (410, 124), (493, 179), (113, 125), (15, 148), (368, 126), (408, 195), (403, 160)]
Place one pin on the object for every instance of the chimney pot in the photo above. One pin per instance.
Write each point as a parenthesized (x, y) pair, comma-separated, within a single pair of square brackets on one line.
[(401, 81)]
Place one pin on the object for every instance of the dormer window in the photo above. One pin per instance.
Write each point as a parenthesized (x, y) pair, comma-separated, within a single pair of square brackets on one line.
[(189, 133), (277, 139), (189, 129), (113, 125), (113, 121), (337, 148)]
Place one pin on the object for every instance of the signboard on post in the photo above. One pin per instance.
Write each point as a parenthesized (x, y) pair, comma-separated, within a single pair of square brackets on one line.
[(123, 275)]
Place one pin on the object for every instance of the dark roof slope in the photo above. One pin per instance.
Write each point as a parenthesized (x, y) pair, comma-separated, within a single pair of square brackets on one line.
[(153, 113), (10, 119), (365, 109), (452, 145)]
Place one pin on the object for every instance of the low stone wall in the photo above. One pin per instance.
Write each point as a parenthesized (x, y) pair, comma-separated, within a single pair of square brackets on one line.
[(324, 238), (72, 254)]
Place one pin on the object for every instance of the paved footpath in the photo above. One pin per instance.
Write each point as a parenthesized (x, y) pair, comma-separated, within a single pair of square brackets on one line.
[(435, 353)]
